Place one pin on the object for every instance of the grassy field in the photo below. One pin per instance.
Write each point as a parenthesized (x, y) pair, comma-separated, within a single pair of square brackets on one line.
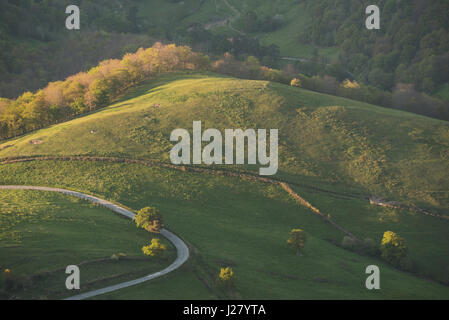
[(324, 138), (211, 212), (335, 152), (41, 233)]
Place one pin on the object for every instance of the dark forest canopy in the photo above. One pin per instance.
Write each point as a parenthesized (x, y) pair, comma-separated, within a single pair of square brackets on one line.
[(412, 45)]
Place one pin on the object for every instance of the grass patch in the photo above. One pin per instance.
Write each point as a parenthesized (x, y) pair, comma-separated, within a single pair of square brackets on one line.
[(211, 212), (41, 233)]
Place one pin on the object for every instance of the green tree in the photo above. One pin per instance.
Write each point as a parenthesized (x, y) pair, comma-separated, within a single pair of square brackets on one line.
[(297, 240), (97, 96), (393, 248), (78, 106), (149, 219), (155, 249)]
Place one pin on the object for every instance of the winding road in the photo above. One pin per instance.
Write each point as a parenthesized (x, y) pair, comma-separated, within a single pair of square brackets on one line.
[(181, 247)]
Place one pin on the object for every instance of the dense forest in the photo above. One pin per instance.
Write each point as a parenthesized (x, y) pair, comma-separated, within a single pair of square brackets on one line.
[(36, 48), (87, 91), (412, 45)]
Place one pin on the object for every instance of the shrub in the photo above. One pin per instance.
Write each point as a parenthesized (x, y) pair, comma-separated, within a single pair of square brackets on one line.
[(393, 248), (296, 83), (226, 277), (155, 249)]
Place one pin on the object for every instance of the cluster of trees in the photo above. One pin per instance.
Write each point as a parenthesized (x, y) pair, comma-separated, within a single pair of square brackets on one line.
[(42, 19), (87, 91), (240, 46), (30, 65), (150, 219), (392, 249), (412, 45), (403, 97), (96, 88), (253, 23), (36, 48)]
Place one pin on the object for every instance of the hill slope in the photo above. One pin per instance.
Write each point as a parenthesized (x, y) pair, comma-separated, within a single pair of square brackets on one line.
[(321, 137), (335, 152)]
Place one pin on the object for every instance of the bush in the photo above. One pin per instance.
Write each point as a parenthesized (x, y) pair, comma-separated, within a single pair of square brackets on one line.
[(296, 83), (226, 277), (393, 248), (155, 249)]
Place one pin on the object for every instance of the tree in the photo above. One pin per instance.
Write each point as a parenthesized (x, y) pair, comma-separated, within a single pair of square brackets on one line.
[(348, 84), (149, 219), (155, 249), (295, 82), (97, 96), (297, 240), (226, 277), (393, 248)]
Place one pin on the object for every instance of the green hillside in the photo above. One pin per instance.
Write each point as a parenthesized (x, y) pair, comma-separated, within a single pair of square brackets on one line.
[(334, 152), (321, 137), (41, 233)]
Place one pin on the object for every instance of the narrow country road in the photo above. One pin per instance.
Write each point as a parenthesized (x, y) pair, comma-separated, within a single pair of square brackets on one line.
[(181, 247)]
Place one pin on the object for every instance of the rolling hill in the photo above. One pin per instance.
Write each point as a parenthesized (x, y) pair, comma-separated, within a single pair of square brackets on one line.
[(334, 152)]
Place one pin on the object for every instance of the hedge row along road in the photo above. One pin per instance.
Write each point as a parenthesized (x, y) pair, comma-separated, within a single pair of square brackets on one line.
[(181, 248)]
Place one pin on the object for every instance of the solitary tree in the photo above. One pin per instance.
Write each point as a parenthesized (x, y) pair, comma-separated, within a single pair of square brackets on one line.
[(393, 248), (149, 219), (295, 82), (226, 277), (155, 249), (297, 240)]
